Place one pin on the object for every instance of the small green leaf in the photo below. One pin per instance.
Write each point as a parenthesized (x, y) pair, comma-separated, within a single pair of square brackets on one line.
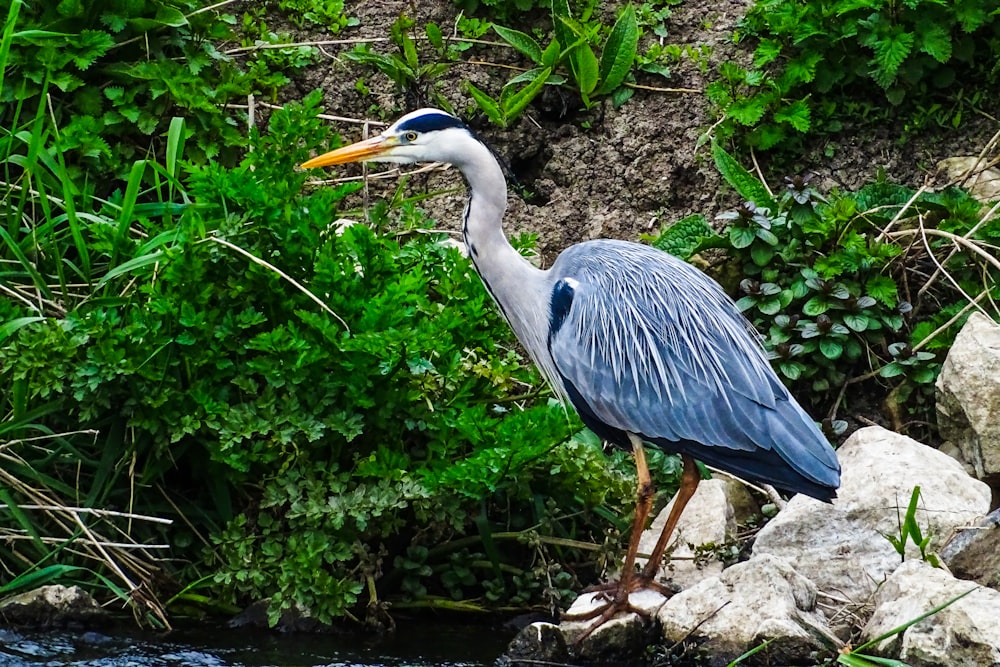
[(434, 35), (745, 183), (516, 103), (741, 237), (487, 104), (619, 52), (831, 348), (762, 256), (522, 42), (815, 306), (856, 322)]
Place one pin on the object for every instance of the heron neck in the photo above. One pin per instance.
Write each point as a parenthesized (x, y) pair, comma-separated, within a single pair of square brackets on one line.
[(521, 290), (495, 258)]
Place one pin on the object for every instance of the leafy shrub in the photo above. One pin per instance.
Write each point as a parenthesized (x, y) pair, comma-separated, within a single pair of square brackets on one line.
[(316, 446), (570, 50), (115, 73), (813, 59)]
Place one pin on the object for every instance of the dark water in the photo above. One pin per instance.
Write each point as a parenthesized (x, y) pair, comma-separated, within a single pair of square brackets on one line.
[(410, 646)]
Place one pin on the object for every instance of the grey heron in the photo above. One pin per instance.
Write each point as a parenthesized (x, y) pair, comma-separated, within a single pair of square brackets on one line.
[(644, 346)]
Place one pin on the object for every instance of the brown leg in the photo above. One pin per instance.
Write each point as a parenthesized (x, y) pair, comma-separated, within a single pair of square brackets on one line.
[(627, 583), (689, 483), (643, 506)]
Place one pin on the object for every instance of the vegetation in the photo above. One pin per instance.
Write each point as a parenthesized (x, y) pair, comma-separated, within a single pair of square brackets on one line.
[(294, 398), (814, 63)]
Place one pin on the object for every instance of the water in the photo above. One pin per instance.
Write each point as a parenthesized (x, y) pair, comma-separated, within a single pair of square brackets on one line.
[(412, 646)]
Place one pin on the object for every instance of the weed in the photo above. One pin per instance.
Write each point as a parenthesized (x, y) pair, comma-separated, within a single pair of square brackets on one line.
[(570, 50)]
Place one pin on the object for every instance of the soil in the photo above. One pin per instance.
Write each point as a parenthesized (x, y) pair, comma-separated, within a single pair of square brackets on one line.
[(607, 172)]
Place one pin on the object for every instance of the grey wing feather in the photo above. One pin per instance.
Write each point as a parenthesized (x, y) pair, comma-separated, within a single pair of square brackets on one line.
[(656, 348)]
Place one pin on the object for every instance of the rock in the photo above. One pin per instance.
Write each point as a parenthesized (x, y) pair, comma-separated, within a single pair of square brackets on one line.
[(974, 552), (982, 182), (842, 547), (964, 634), (623, 639), (707, 524), (968, 397), (536, 643), (52, 606), (749, 603)]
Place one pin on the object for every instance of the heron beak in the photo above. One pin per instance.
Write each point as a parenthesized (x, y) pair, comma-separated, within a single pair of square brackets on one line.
[(369, 149)]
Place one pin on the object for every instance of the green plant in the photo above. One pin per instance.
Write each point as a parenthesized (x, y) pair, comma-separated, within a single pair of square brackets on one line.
[(416, 81), (570, 49), (855, 657), (811, 60), (909, 529), (328, 14)]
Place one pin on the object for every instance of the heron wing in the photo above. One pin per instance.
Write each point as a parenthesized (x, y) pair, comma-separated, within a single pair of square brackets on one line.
[(651, 345)]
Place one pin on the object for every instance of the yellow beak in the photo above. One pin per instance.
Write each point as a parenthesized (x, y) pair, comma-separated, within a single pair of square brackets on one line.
[(368, 149)]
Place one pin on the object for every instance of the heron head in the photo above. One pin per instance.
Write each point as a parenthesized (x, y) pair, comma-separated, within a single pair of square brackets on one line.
[(424, 135)]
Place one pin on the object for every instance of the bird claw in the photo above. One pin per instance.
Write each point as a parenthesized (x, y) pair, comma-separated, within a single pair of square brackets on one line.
[(617, 604)]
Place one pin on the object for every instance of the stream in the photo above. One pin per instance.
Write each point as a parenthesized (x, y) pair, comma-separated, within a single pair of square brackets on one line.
[(437, 645)]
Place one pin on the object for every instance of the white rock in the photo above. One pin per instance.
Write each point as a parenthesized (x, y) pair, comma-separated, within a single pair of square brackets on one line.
[(842, 547), (620, 639), (750, 602), (968, 395), (984, 185), (708, 521), (964, 634)]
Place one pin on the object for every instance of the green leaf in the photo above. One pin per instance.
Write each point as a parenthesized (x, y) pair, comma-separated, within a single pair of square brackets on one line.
[(890, 52), (741, 237), (762, 256), (522, 42), (516, 103), (883, 289), (585, 69), (856, 322), (487, 104), (550, 56), (831, 349), (891, 370), (434, 35), (769, 306), (815, 306), (745, 183), (934, 40), (10, 327), (619, 51), (797, 114), (791, 370)]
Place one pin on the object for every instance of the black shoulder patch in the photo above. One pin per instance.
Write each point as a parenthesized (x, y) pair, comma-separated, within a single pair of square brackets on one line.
[(430, 121), (562, 300)]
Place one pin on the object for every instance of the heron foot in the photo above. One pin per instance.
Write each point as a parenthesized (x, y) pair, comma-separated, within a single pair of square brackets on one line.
[(614, 599)]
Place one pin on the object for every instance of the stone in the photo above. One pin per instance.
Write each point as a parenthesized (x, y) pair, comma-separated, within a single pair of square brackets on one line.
[(749, 603), (981, 181), (707, 524), (968, 397), (52, 606), (842, 547), (963, 634), (620, 640), (974, 552), (536, 643)]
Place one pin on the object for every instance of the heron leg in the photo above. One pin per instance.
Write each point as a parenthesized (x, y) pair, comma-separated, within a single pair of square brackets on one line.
[(689, 483), (629, 581)]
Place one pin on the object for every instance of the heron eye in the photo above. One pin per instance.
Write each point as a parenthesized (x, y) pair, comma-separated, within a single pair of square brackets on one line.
[(410, 136)]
